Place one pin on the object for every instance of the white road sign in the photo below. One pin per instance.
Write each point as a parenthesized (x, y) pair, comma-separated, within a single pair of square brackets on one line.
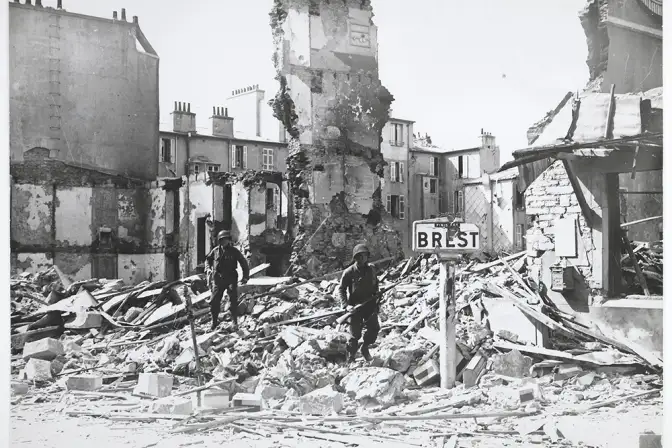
[(442, 236)]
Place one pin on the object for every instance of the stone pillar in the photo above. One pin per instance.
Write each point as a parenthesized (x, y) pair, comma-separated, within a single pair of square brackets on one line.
[(334, 108)]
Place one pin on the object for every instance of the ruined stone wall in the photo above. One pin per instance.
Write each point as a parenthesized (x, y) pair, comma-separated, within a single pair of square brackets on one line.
[(334, 108), (58, 211), (549, 198)]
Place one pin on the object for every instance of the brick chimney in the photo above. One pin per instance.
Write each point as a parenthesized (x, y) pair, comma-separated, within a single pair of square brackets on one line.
[(489, 153), (183, 120), (222, 124)]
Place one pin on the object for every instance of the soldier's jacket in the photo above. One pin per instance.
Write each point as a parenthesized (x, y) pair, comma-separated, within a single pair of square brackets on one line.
[(223, 263), (358, 285)]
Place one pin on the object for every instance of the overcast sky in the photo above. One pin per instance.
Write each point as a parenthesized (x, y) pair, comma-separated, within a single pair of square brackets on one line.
[(454, 67)]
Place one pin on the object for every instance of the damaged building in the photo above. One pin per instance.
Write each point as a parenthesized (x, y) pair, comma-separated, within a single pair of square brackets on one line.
[(586, 153), (82, 162), (334, 107), (226, 180)]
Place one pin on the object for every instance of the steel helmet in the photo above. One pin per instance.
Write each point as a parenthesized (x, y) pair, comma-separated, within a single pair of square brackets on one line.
[(360, 249), (223, 234)]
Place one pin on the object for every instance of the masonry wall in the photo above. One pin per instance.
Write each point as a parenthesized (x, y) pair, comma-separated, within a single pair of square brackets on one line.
[(104, 92), (326, 59), (549, 198), (57, 215)]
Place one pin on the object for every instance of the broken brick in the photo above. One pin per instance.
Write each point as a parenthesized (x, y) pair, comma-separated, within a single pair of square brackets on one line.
[(324, 401), (172, 406), (84, 382), (45, 349), (38, 370)]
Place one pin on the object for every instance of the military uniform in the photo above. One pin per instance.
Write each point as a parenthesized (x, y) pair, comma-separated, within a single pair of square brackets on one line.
[(221, 263), (359, 284)]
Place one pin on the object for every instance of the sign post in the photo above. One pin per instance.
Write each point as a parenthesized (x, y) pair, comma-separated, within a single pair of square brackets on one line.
[(448, 239)]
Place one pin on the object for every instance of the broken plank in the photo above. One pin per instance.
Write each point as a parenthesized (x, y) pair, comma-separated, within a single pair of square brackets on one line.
[(257, 269), (424, 315), (485, 266), (534, 350), (639, 221), (638, 269)]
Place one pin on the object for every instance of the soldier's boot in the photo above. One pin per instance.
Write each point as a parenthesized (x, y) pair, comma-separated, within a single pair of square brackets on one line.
[(365, 353)]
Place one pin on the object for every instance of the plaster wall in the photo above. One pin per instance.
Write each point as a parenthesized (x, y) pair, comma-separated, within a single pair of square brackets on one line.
[(30, 262), (257, 216), (32, 214), (240, 207), (107, 90), (73, 214), (136, 268), (158, 220)]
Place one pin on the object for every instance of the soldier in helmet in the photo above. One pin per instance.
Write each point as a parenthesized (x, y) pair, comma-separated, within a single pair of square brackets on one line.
[(359, 284), (221, 268)]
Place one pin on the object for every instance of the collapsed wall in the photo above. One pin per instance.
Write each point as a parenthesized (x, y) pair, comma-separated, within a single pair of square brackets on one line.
[(334, 108)]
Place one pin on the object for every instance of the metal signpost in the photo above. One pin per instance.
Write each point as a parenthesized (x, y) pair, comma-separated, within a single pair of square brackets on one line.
[(448, 238)]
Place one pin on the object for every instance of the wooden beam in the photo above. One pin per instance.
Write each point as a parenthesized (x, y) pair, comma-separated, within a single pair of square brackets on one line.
[(638, 269), (635, 27), (639, 221), (642, 192), (608, 131), (581, 198), (634, 163)]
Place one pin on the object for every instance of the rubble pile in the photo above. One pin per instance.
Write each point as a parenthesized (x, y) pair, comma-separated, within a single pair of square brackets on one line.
[(127, 352), (650, 260)]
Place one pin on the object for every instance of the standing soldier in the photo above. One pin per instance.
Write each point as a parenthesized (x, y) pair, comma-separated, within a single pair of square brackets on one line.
[(360, 283), (221, 269)]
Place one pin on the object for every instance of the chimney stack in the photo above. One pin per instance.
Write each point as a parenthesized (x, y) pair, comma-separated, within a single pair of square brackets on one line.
[(114, 15), (38, 3), (183, 120), (59, 4), (29, 2), (222, 124), (123, 14), (135, 19)]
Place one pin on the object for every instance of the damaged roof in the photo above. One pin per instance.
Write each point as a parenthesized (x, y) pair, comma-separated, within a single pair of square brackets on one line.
[(593, 121)]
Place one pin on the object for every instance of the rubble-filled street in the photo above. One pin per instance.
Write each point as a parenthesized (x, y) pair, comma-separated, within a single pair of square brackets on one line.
[(124, 366)]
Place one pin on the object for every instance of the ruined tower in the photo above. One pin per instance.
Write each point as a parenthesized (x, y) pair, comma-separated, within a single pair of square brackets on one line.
[(334, 108)]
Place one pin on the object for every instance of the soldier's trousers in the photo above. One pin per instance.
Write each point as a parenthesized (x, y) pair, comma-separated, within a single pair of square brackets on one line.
[(360, 321), (217, 291)]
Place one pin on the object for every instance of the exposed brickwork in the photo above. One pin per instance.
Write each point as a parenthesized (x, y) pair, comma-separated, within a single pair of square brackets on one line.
[(548, 199)]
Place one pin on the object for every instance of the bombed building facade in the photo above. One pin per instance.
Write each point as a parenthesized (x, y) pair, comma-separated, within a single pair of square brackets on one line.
[(82, 164), (334, 108)]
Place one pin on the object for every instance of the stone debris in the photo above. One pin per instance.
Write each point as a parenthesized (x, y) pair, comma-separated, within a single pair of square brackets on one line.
[(288, 354)]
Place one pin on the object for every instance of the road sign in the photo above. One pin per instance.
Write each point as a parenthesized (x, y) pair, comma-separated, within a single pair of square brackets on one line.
[(443, 236)]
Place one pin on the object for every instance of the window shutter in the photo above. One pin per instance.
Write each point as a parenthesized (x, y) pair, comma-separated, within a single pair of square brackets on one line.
[(393, 171), (392, 133), (173, 151), (460, 200), (233, 156), (245, 157), (402, 170), (272, 159), (161, 150), (402, 207), (388, 205)]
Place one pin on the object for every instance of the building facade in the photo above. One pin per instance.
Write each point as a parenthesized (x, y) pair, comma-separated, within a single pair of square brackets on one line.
[(83, 89), (396, 186)]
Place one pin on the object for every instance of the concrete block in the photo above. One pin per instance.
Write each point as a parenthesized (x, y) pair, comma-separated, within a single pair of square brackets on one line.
[(173, 406), (38, 370), (84, 382), (513, 364), (45, 349), (19, 388), (427, 373), (154, 384), (473, 370), (650, 440), (247, 400), (212, 399), (325, 401)]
